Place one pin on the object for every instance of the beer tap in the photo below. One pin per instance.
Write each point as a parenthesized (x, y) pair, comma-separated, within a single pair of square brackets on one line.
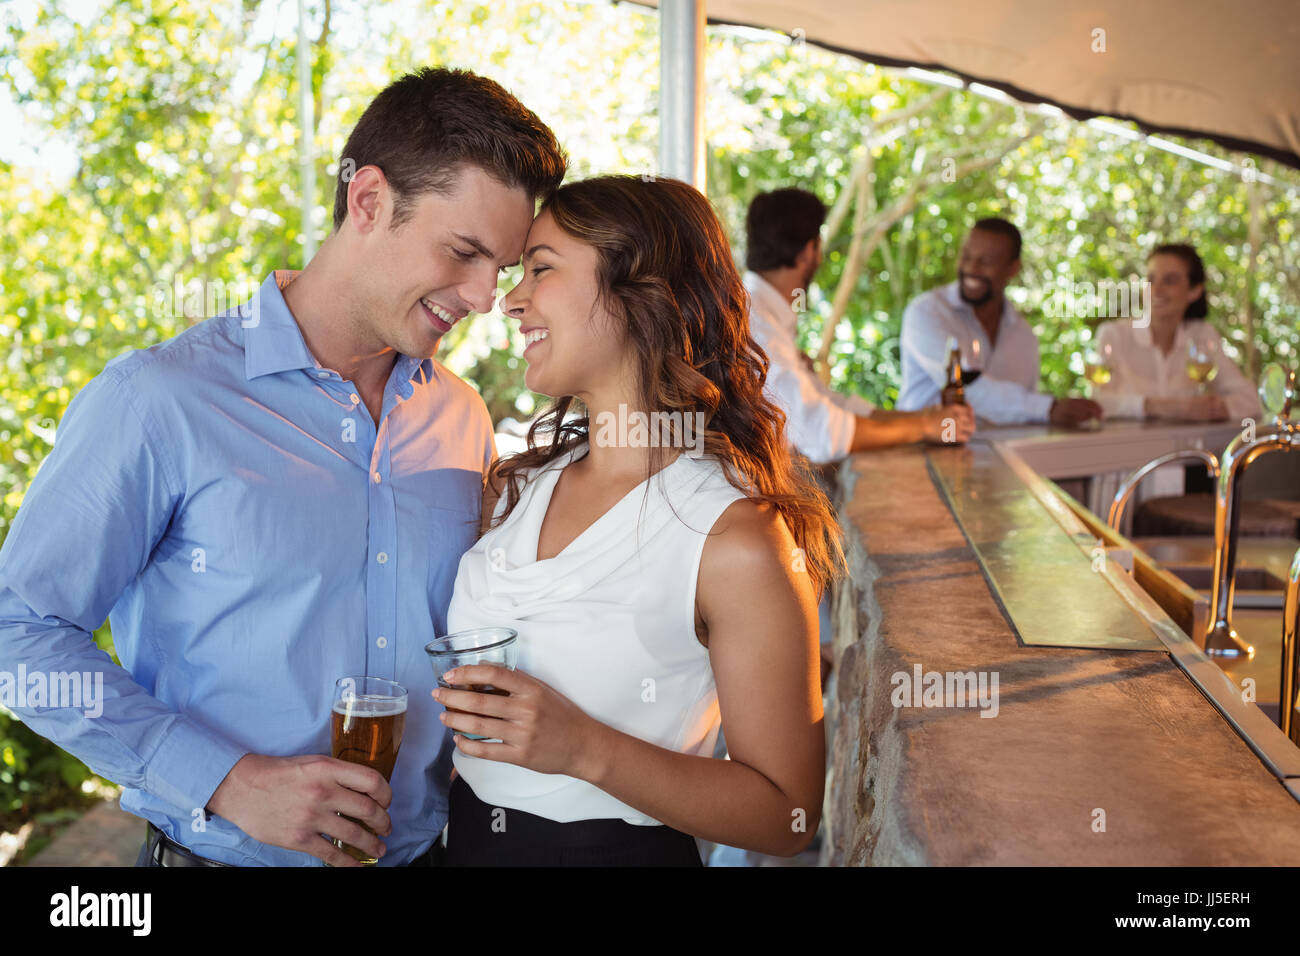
[(1278, 391)]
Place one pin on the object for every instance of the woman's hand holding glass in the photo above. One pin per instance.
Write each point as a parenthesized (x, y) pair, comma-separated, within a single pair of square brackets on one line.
[(534, 727)]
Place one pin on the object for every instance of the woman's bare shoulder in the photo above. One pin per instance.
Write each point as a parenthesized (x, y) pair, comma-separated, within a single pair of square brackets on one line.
[(750, 542)]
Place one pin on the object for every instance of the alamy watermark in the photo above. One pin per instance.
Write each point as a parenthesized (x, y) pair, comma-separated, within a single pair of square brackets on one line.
[(83, 690), (946, 689), (636, 429), (200, 298), (128, 910), (1108, 299)]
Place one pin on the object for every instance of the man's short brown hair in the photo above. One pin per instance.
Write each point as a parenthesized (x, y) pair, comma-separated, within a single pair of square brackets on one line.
[(424, 127)]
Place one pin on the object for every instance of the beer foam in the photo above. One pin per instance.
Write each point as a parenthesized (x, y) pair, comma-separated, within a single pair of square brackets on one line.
[(364, 706)]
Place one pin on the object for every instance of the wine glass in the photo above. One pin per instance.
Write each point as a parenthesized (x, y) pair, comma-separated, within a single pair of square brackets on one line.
[(1098, 364), (972, 362), (1202, 366)]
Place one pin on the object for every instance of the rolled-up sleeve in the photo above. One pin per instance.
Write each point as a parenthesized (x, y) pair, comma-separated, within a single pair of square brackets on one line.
[(921, 344), (99, 505), (819, 423), (1007, 403)]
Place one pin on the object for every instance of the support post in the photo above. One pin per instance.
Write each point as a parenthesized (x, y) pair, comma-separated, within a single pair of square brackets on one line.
[(681, 90)]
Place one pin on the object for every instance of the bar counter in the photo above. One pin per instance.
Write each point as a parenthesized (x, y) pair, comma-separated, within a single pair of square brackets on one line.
[(1100, 749)]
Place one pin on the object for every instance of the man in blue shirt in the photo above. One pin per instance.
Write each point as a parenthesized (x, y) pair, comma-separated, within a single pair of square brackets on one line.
[(279, 497)]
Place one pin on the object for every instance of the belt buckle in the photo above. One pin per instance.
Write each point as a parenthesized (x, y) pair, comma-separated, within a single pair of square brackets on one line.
[(156, 845)]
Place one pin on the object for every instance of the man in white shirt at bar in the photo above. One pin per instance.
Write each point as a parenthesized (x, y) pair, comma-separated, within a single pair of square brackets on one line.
[(975, 309), (783, 252)]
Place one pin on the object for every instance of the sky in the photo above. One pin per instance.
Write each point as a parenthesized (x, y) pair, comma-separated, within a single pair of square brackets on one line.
[(26, 144)]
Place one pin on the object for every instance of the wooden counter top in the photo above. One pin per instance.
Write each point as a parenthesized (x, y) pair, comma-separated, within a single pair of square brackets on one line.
[(1094, 757)]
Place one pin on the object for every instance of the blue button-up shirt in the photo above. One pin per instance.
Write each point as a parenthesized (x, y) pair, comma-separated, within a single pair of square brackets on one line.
[(252, 537)]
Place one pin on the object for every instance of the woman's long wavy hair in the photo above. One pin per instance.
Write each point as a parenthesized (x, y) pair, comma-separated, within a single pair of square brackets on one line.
[(665, 270)]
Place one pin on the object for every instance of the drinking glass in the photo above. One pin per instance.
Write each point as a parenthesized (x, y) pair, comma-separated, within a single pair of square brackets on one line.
[(972, 362), (1201, 366), (366, 727), (1098, 364), (480, 645)]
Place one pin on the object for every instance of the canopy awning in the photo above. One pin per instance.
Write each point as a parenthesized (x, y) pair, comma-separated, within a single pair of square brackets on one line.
[(1223, 70)]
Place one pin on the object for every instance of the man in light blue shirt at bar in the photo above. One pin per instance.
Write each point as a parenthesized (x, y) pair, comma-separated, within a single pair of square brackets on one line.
[(975, 312), (279, 497)]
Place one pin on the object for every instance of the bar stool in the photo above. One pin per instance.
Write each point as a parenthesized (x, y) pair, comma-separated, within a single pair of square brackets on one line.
[(1194, 515)]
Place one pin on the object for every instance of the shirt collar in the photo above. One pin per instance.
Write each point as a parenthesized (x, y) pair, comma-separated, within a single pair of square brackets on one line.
[(771, 304), (273, 341), (409, 372), (1177, 351)]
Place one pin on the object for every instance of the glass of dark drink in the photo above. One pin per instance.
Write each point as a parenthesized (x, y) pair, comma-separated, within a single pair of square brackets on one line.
[(366, 727), (972, 362), (480, 645)]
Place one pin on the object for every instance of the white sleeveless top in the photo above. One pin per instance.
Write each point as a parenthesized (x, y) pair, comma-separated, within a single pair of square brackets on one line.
[(609, 622)]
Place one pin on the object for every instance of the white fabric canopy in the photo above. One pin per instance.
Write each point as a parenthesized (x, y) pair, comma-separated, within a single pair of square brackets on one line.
[(1227, 71)]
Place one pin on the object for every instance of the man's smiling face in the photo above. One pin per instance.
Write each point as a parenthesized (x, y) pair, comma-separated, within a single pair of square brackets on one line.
[(986, 265), (443, 262)]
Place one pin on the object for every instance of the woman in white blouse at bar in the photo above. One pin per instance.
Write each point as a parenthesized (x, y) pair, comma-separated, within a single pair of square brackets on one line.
[(1149, 364), (658, 588)]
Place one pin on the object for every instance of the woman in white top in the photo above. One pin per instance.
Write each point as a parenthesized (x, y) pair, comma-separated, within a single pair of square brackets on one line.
[(1149, 362), (657, 591)]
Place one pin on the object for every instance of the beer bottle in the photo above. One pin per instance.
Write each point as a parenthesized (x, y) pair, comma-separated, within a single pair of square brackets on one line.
[(953, 393)]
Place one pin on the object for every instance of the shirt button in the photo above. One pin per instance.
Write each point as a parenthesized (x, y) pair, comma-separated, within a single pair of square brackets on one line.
[(376, 478), (355, 399), (381, 643), (382, 557), (322, 374)]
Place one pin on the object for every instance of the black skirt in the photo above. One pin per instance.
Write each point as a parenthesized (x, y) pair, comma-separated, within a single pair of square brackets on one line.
[(482, 835)]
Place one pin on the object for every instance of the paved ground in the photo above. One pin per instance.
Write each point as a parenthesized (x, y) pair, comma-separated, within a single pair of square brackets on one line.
[(105, 836)]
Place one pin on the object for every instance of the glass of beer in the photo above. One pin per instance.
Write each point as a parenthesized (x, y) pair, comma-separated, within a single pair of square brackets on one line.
[(366, 728), (480, 645), (1098, 365)]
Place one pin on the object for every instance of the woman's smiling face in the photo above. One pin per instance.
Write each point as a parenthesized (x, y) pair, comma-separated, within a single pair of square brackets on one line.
[(573, 345), (1171, 288)]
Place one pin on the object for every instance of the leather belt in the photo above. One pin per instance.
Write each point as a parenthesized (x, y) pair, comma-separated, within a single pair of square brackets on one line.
[(165, 851)]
